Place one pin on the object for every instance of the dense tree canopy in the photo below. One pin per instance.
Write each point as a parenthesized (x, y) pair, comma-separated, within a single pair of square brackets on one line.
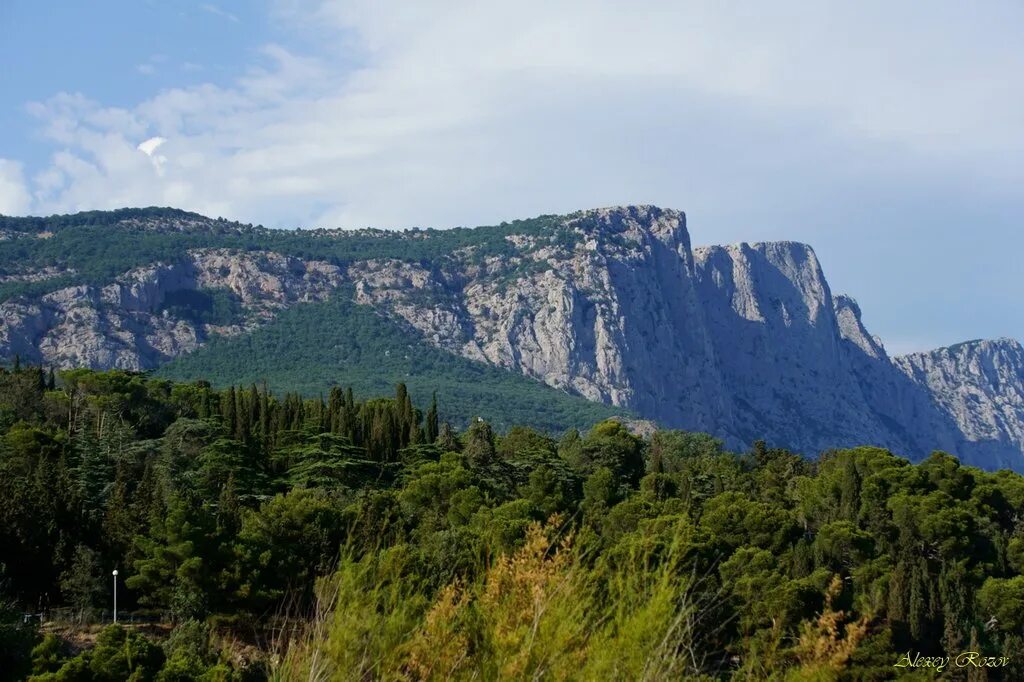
[(422, 552)]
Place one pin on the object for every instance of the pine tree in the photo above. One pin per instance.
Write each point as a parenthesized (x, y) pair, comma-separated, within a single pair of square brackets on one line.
[(93, 471)]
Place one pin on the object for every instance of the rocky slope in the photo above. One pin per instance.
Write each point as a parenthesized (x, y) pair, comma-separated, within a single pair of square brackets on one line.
[(744, 341), (127, 324), (980, 385)]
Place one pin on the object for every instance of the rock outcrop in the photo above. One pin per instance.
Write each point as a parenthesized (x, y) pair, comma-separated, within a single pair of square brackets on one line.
[(126, 324), (980, 386)]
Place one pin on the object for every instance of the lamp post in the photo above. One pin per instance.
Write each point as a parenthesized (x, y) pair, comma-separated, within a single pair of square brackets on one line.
[(115, 595)]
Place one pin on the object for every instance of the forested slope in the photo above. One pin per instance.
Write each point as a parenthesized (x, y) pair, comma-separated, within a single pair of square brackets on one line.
[(312, 348)]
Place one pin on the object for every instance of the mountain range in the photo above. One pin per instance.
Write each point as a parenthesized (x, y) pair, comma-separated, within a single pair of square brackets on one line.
[(553, 321)]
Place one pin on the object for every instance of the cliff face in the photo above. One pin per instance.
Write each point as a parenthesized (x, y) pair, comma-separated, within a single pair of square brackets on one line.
[(613, 315), (744, 341), (980, 386), (779, 347), (128, 323)]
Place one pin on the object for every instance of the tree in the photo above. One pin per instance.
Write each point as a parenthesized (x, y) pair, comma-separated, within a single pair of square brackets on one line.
[(431, 431), (610, 445), (284, 545), (173, 571), (84, 584), (479, 448), (447, 439)]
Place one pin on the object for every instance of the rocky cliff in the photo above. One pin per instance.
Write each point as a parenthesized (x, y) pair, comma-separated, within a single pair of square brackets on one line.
[(980, 386), (130, 324), (744, 341)]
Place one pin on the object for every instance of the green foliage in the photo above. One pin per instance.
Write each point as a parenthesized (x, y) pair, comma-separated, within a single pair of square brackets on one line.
[(339, 530), (83, 584), (16, 643), (203, 306), (120, 654), (312, 348), (100, 245)]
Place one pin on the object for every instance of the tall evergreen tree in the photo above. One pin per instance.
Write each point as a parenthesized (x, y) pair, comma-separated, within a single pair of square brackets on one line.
[(229, 408), (479, 446), (431, 425)]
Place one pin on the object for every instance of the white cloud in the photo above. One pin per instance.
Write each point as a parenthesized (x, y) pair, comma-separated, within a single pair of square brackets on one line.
[(880, 132), (14, 195), (214, 9), (467, 112), (151, 145)]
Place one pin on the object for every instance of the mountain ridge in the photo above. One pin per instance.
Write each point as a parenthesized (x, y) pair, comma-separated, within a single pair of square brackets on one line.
[(613, 304)]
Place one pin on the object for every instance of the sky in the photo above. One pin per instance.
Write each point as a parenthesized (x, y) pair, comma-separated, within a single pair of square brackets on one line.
[(888, 135)]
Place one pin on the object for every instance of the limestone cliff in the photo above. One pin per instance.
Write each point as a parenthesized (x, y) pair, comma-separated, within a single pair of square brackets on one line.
[(744, 341), (127, 325), (980, 386)]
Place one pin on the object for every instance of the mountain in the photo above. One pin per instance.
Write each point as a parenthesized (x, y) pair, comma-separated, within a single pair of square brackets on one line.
[(980, 384), (611, 305)]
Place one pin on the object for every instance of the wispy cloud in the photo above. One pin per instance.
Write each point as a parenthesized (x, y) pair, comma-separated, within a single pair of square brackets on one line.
[(214, 9), (558, 107), (804, 122)]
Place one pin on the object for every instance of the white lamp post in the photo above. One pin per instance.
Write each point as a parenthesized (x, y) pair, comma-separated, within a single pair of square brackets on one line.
[(115, 595)]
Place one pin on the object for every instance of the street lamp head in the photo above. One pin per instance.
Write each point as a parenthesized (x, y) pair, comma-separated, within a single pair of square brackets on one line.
[(115, 571)]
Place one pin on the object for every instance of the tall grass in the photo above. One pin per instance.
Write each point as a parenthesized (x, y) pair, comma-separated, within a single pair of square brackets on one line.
[(549, 611)]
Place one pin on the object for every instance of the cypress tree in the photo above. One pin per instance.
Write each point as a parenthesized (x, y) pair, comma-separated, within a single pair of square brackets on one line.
[(242, 423), (407, 422), (403, 404), (849, 496), (253, 405), (298, 412), (264, 419), (447, 439), (431, 426), (335, 406), (323, 417), (228, 406), (479, 442)]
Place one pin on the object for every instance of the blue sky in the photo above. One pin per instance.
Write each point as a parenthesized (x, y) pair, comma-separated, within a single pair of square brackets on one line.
[(887, 135)]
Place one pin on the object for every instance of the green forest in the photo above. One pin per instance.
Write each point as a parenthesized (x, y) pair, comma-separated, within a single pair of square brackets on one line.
[(273, 536), (94, 247), (306, 347)]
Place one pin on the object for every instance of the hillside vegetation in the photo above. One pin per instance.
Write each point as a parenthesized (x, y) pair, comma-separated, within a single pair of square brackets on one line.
[(97, 246), (365, 539), (312, 348)]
